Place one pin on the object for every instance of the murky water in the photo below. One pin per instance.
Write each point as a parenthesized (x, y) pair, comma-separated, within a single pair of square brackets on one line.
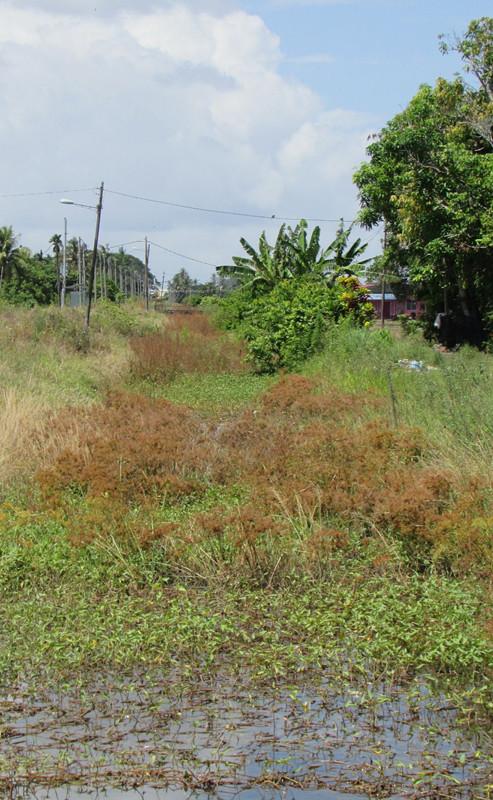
[(144, 738)]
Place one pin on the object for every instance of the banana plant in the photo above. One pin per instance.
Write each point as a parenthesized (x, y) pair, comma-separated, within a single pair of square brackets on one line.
[(263, 268), (306, 258), (341, 259)]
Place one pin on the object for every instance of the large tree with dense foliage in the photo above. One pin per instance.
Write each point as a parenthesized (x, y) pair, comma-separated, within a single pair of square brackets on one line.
[(32, 280), (430, 180)]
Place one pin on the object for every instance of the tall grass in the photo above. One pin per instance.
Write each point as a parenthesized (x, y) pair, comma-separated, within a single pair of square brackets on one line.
[(45, 353), (450, 400), (20, 419)]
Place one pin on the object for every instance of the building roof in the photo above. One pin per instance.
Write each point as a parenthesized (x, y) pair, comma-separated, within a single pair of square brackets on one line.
[(378, 296)]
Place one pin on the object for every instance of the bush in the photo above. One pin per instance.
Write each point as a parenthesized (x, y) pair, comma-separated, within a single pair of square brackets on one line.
[(353, 300), (285, 326)]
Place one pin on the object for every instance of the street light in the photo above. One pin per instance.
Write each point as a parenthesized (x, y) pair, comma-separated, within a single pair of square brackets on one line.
[(98, 208), (67, 202)]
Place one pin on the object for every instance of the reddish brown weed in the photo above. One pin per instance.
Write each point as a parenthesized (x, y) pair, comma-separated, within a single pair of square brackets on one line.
[(306, 459), (188, 343)]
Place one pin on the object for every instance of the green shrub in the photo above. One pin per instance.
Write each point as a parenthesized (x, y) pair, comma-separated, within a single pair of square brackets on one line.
[(285, 326)]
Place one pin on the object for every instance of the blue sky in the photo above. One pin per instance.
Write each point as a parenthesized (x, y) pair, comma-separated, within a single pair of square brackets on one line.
[(257, 106), (382, 50)]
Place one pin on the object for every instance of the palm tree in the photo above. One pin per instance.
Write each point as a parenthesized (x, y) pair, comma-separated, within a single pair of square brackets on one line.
[(57, 245), (263, 269), (9, 252)]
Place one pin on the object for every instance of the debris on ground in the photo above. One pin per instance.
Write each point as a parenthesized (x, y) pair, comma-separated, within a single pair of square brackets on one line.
[(413, 365)]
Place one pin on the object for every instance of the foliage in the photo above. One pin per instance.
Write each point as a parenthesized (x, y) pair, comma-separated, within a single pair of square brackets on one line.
[(277, 533), (285, 326), (31, 280), (476, 50), (181, 285), (309, 466), (430, 178), (353, 300), (345, 259), (264, 268), (9, 253), (294, 256)]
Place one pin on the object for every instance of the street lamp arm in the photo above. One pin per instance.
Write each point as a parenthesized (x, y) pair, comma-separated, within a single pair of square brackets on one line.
[(67, 202)]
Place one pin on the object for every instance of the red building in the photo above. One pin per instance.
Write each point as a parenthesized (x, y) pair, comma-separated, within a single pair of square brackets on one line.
[(392, 307)]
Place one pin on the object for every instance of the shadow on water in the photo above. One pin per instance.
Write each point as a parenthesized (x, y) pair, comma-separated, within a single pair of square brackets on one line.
[(145, 737)]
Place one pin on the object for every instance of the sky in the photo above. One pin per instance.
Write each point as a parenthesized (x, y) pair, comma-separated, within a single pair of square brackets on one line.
[(258, 107)]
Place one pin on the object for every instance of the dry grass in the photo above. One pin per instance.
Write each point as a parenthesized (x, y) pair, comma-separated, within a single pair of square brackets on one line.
[(21, 418), (188, 344), (31, 435), (316, 468)]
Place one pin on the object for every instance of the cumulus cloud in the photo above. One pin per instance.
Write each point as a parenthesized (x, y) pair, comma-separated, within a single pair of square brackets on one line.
[(186, 102)]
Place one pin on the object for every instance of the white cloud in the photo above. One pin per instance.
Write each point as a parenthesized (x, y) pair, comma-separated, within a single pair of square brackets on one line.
[(186, 103)]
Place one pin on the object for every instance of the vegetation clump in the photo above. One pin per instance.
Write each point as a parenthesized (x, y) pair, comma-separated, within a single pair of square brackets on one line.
[(188, 343)]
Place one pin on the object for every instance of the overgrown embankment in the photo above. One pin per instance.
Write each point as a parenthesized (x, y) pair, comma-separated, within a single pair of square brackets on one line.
[(278, 525)]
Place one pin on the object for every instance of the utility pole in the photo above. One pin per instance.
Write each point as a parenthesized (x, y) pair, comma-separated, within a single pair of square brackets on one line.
[(382, 310), (92, 273), (64, 266), (79, 269), (147, 247), (83, 271)]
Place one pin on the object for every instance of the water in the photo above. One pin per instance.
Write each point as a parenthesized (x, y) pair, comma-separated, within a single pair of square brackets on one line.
[(149, 737)]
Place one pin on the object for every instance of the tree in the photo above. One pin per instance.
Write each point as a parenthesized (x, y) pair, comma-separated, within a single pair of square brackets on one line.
[(181, 284), (476, 51), (9, 253), (430, 180), (32, 280), (56, 243)]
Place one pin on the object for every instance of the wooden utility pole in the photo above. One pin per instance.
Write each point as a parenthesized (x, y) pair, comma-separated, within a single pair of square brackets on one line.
[(79, 268), (146, 272), (64, 267), (382, 310), (92, 273)]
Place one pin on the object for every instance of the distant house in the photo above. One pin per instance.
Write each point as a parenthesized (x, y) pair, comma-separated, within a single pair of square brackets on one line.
[(392, 307)]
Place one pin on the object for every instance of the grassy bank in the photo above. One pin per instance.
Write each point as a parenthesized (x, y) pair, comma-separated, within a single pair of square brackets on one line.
[(207, 516)]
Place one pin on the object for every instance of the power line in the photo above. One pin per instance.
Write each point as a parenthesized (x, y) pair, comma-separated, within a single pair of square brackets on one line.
[(181, 255), (124, 244), (39, 194), (185, 206), (205, 210)]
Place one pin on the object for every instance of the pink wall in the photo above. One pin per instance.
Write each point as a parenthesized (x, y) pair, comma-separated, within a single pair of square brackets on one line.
[(395, 307)]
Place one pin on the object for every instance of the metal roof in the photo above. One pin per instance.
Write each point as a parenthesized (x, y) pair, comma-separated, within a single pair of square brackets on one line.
[(378, 296)]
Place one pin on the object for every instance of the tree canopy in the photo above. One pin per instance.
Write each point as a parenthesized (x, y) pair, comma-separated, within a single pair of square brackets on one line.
[(429, 178)]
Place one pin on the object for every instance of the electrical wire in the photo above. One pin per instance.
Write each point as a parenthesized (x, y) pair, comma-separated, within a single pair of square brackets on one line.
[(186, 207), (226, 212), (124, 244), (39, 194), (181, 255)]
